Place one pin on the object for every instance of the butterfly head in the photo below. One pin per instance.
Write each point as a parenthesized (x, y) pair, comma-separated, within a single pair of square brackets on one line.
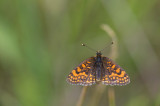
[(99, 53)]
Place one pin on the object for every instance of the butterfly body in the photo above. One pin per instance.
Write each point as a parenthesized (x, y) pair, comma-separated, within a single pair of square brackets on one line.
[(98, 69)]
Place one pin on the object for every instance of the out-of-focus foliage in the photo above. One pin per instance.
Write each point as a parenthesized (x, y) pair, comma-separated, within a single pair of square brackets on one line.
[(40, 44)]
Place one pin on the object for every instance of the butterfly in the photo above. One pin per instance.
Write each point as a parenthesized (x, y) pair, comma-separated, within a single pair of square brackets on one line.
[(98, 69)]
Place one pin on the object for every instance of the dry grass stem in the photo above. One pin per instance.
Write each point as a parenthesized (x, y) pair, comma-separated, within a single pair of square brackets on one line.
[(82, 96), (114, 48), (95, 98), (113, 56), (99, 90), (111, 96)]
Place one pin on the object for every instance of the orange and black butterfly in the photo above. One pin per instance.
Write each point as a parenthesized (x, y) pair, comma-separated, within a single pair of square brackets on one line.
[(98, 69)]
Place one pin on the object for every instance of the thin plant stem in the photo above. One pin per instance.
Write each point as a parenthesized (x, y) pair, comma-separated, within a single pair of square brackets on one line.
[(114, 48), (113, 55), (99, 90), (82, 96), (111, 96), (95, 98)]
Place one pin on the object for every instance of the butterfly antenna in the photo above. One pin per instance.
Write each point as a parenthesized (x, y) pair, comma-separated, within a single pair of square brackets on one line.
[(88, 47), (107, 46)]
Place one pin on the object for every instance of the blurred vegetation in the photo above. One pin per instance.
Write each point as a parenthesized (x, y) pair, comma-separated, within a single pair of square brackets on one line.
[(40, 44)]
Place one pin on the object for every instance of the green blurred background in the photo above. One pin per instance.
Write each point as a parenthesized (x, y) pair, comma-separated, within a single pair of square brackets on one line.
[(40, 43)]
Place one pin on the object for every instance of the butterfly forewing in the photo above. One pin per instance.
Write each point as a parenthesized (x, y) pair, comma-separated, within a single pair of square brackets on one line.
[(83, 74), (114, 74)]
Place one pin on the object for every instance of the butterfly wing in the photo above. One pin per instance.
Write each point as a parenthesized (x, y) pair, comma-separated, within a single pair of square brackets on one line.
[(114, 74), (83, 74)]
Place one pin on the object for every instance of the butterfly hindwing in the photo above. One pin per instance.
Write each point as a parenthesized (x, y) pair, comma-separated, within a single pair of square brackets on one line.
[(83, 74), (114, 74)]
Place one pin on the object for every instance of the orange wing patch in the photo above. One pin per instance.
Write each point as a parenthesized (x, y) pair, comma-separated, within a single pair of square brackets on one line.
[(83, 74), (114, 74)]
